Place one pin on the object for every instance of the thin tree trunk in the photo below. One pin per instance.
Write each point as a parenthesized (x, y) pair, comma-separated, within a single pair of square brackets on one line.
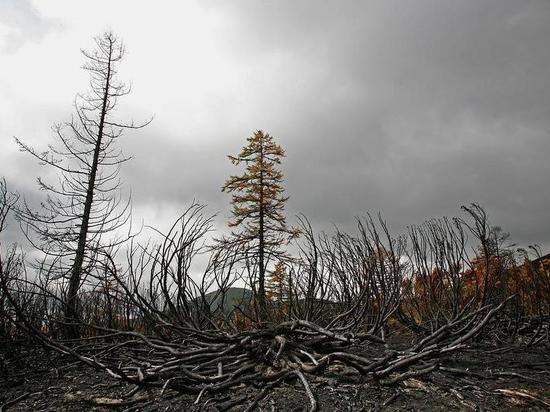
[(71, 314), (261, 275)]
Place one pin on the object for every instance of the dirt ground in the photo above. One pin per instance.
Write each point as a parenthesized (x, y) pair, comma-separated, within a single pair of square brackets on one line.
[(482, 378)]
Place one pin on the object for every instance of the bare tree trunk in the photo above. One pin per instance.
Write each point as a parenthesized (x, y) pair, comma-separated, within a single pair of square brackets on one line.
[(71, 313), (261, 273)]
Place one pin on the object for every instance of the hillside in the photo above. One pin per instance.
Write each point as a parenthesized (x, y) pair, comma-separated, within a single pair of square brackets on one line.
[(232, 297)]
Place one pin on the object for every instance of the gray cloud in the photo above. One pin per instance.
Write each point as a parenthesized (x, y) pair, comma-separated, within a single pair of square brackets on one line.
[(409, 108), (24, 23), (422, 107)]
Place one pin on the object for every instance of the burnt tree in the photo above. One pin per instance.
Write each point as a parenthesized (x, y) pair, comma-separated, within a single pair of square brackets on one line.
[(86, 204)]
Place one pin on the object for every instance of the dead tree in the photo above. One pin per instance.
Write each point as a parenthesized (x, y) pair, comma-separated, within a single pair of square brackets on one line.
[(9, 260), (492, 257), (347, 282), (342, 291), (434, 288), (72, 225)]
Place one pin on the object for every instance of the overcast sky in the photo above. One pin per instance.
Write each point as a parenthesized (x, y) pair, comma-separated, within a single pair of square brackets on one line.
[(411, 108)]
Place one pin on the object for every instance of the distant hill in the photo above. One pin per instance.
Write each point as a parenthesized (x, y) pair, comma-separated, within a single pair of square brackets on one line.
[(233, 297)]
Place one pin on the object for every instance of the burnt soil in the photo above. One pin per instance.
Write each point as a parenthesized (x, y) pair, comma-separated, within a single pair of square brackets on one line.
[(479, 378)]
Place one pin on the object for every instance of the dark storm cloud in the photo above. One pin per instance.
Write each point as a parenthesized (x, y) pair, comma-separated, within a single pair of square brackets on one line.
[(418, 107)]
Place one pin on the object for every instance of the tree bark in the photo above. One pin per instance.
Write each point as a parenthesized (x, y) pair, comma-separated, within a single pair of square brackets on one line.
[(71, 312), (261, 273)]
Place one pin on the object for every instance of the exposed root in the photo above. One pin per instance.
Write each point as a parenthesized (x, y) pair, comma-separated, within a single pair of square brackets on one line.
[(211, 362)]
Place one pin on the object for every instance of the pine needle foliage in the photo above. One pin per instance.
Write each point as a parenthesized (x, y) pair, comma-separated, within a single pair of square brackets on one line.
[(258, 203)]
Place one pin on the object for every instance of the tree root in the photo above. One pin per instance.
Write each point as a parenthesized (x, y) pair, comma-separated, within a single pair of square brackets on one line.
[(213, 362)]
